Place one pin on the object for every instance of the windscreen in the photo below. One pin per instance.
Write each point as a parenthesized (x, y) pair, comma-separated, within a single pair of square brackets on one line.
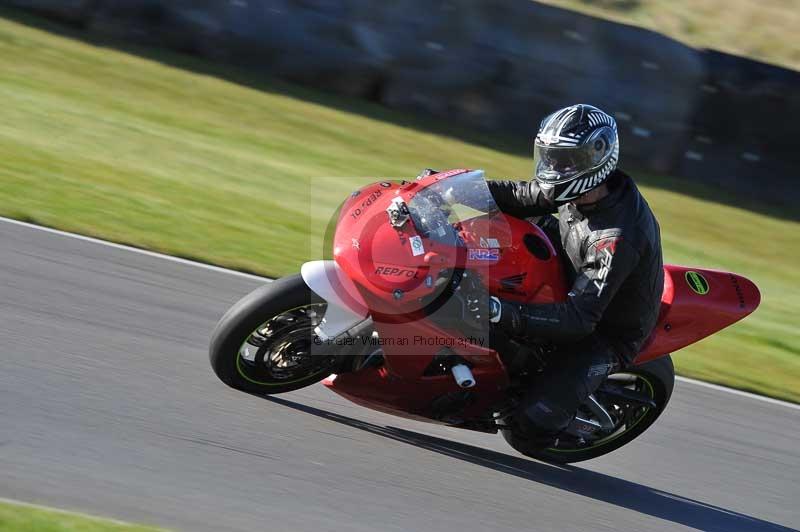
[(442, 209)]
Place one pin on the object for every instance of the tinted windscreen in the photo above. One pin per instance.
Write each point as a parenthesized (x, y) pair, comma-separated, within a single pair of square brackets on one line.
[(436, 209)]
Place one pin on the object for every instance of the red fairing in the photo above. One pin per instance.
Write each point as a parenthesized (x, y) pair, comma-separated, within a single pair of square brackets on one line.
[(400, 386), (379, 258), (697, 303), (529, 270), (396, 268)]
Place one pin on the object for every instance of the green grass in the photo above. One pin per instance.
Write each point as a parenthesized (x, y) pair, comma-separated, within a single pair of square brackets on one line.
[(760, 30), (129, 149), (22, 518)]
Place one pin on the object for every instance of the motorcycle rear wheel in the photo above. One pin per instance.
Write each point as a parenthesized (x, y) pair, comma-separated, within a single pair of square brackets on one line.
[(264, 343), (655, 379)]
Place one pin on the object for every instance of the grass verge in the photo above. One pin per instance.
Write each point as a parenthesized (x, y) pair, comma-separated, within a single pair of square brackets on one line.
[(130, 149), (740, 27), (24, 518)]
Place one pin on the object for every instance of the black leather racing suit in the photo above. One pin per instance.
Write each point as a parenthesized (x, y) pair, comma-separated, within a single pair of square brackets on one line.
[(615, 267)]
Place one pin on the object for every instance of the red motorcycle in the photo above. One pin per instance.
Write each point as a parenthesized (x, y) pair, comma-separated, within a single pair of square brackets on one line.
[(398, 320)]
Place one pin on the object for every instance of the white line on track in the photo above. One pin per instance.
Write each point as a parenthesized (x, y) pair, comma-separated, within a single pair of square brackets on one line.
[(135, 250), (72, 513), (738, 392), (219, 269)]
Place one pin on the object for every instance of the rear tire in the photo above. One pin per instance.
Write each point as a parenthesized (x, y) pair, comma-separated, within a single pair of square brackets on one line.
[(292, 303), (659, 376)]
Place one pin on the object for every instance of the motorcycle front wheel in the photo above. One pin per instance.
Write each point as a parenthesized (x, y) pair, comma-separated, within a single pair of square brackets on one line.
[(265, 343), (652, 381)]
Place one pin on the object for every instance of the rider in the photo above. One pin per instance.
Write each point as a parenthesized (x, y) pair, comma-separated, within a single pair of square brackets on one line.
[(613, 243)]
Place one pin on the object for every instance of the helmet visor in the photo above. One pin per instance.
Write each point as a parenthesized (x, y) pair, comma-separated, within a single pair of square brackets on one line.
[(556, 164)]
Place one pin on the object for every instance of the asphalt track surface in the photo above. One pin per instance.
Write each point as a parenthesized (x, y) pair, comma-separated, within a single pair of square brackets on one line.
[(108, 406)]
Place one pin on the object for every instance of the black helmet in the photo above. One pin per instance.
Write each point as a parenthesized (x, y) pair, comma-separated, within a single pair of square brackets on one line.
[(575, 150)]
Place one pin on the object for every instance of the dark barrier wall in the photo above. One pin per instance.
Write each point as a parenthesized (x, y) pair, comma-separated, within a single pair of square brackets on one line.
[(496, 65)]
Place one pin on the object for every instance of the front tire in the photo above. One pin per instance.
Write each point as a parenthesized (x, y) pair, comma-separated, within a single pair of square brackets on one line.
[(656, 379), (264, 343)]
